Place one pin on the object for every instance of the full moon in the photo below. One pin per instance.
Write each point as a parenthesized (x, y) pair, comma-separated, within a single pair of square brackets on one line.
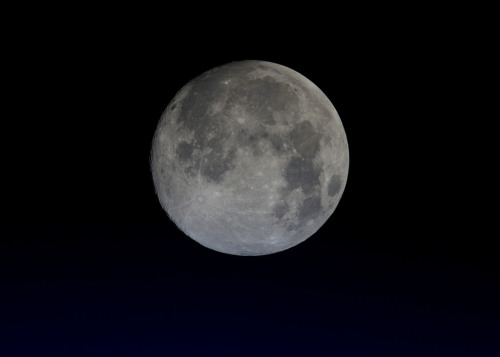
[(249, 158)]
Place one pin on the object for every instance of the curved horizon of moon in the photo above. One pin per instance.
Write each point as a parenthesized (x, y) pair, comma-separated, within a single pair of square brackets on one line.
[(249, 158)]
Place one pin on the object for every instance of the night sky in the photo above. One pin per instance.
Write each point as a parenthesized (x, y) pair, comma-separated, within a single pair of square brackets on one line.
[(90, 264)]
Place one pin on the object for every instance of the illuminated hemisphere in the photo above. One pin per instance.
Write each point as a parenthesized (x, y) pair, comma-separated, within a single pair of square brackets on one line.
[(249, 158)]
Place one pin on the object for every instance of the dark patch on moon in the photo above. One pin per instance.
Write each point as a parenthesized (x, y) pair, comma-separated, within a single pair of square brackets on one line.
[(278, 143), (195, 115), (216, 145), (310, 208), (218, 157), (216, 164), (173, 106), (334, 185), (305, 139), (301, 173), (252, 140), (184, 151)]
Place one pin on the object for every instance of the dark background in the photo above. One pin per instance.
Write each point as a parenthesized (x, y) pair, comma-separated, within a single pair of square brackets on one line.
[(90, 265)]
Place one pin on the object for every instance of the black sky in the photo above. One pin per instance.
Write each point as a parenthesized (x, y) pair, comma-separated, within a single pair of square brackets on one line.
[(91, 265)]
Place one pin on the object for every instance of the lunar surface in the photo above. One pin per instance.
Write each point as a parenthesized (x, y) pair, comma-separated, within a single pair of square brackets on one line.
[(249, 158)]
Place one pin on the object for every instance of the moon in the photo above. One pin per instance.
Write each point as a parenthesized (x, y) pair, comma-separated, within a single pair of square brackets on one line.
[(249, 158)]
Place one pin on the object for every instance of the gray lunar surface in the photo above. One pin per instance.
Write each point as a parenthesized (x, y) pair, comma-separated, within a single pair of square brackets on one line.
[(249, 158)]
